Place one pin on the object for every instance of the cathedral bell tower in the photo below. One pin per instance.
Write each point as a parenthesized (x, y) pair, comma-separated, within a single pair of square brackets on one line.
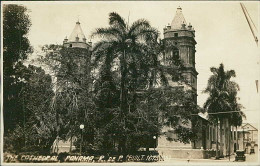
[(78, 51), (77, 39), (179, 40)]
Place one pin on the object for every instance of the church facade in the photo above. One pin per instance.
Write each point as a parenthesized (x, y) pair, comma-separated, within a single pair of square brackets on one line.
[(179, 38)]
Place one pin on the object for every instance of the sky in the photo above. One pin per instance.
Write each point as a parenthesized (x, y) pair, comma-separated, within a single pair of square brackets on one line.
[(222, 34)]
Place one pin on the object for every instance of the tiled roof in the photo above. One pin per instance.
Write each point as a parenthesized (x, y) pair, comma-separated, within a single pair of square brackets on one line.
[(178, 20), (77, 32)]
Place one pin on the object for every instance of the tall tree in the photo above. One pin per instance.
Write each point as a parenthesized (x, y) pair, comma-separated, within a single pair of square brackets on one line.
[(16, 47), (135, 50), (73, 100), (222, 95), (127, 45), (106, 97)]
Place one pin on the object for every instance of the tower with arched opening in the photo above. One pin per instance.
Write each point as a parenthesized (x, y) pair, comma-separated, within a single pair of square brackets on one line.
[(179, 50), (179, 41)]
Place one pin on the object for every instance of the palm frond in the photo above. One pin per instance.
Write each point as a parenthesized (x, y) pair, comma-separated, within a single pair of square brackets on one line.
[(149, 34), (111, 33), (214, 70), (137, 25), (116, 20), (103, 44), (230, 73), (101, 49)]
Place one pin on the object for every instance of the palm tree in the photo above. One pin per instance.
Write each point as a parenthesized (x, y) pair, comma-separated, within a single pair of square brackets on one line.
[(237, 118), (132, 49), (222, 95)]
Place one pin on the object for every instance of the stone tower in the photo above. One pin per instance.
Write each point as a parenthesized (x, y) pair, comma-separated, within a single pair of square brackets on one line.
[(179, 39), (179, 45), (78, 51)]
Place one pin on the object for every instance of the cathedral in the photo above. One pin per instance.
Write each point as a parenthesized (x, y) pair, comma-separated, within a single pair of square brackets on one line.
[(179, 37)]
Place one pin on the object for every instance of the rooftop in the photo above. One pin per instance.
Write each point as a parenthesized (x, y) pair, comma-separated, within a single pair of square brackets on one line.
[(77, 33), (178, 20)]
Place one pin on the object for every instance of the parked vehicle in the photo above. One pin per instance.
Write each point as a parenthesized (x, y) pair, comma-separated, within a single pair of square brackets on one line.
[(240, 155)]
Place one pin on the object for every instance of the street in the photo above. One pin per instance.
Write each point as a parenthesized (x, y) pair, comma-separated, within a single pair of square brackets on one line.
[(250, 158)]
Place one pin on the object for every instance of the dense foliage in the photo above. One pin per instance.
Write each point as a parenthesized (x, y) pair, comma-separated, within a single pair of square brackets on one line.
[(120, 94), (222, 94), (28, 119), (16, 46), (135, 50), (36, 129), (223, 99)]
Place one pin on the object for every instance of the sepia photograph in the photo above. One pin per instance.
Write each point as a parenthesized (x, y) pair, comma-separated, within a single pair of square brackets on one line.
[(130, 83)]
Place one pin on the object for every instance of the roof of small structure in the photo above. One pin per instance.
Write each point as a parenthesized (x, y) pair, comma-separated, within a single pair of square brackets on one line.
[(250, 126), (240, 129), (178, 19), (247, 127), (77, 32)]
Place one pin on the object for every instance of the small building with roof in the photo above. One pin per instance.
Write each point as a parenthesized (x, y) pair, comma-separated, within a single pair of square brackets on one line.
[(246, 137)]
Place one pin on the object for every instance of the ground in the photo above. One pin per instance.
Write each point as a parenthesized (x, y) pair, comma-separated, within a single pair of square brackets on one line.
[(250, 158)]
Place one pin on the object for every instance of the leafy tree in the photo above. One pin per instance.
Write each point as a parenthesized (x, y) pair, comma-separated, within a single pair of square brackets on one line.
[(27, 90), (222, 96), (175, 107), (127, 46), (219, 85), (37, 131), (16, 47), (106, 97), (73, 101), (135, 50)]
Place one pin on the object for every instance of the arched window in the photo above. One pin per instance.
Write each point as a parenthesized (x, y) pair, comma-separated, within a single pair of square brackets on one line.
[(171, 56), (175, 55)]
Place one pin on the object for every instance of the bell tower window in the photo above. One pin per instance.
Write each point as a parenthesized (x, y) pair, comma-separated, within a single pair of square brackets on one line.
[(175, 54)]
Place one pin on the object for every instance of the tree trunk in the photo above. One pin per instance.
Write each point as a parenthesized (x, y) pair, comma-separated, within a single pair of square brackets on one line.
[(217, 154), (123, 100), (232, 139), (221, 138), (237, 140), (229, 139), (70, 143), (225, 128)]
